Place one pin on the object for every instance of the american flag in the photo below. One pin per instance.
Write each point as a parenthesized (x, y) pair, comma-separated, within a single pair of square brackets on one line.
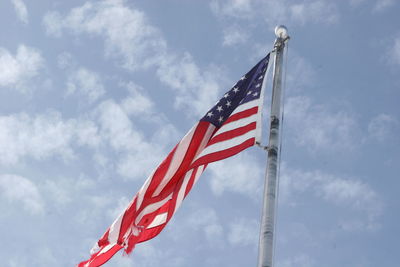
[(229, 127)]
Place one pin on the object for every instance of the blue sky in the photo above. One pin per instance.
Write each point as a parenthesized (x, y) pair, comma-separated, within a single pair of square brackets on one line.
[(94, 94)]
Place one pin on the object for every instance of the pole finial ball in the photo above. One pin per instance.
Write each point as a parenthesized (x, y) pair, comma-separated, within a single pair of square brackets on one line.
[(281, 31)]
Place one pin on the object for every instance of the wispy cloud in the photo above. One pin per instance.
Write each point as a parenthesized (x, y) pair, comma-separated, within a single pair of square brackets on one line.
[(244, 176), (244, 232), (349, 193), (18, 70), (383, 127), (377, 5), (275, 12), (19, 189), (138, 155), (87, 83), (234, 36), (202, 222), (21, 10), (300, 260), (196, 89), (138, 103), (318, 128), (381, 5), (136, 44), (42, 136), (128, 36), (393, 52), (314, 11)]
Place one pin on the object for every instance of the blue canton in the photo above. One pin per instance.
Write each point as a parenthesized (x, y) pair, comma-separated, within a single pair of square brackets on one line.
[(245, 90)]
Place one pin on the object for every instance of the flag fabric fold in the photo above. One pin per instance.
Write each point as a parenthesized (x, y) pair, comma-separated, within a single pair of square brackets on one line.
[(229, 127)]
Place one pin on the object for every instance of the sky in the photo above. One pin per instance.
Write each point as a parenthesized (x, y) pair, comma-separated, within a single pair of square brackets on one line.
[(94, 94)]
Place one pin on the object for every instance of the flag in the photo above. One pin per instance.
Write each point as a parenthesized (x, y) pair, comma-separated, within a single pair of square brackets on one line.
[(229, 127)]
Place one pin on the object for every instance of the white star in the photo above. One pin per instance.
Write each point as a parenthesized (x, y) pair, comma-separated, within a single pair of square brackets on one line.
[(219, 108), (235, 89), (221, 119), (226, 95), (210, 114), (260, 77), (243, 78), (228, 103), (258, 85), (249, 93), (255, 94)]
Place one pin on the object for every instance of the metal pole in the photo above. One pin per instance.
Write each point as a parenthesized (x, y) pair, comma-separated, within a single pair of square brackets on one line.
[(266, 243)]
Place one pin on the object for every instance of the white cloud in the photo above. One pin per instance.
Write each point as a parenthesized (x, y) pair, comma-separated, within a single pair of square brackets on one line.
[(137, 103), (128, 36), (116, 127), (382, 127), (349, 193), (197, 90), (18, 70), (87, 83), (130, 39), (244, 176), (317, 128), (301, 75), (244, 232), (381, 5), (62, 191), (42, 136), (148, 255), (277, 11), (314, 11), (19, 189), (234, 36), (393, 54), (206, 220), (138, 153), (301, 260), (21, 10), (234, 8)]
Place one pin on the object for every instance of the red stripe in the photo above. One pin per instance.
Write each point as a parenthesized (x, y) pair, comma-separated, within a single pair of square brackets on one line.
[(223, 154), (232, 133), (242, 114), (99, 259), (152, 232), (197, 138), (127, 218), (191, 181), (131, 213), (159, 174)]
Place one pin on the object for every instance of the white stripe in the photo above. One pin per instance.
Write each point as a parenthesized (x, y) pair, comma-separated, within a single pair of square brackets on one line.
[(152, 208), (115, 228), (245, 106), (158, 220), (143, 190), (205, 140), (176, 161), (258, 135), (227, 144), (102, 251), (236, 124), (106, 248), (200, 170), (181, 193)]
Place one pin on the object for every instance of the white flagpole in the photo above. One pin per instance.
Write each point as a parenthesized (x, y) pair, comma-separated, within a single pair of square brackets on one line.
[(266, 243)]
